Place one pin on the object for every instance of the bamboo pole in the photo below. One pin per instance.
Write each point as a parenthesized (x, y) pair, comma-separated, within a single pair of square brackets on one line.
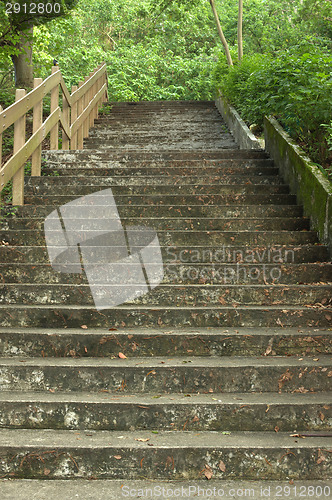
[(37, 122), (19, 141), (239, 31), (54, 136), (221, 33)]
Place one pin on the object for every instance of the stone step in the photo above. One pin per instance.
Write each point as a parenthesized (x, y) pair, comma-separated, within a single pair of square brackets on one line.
[(166, 163), (138, 170), (149, 342), (176, 199), (159, 143), (112, 122), (172, 295), (113, 489), (203, 223), (188, 238), (165, 375), (171, 155), (176, 273), (212, 211), (51, 182), (143, 316), (174, 455), (181, 341), (189, 130), (167, 412), (196, 254), (232, 190)]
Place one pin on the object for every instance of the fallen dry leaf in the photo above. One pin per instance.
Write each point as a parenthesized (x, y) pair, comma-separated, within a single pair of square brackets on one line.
[(321, 457), (268, 350), (285, 377), (222, 466), (122, 356), (208, 473), (84, 327)]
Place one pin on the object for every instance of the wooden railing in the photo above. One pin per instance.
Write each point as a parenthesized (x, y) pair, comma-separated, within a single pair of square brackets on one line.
[(79, 110)]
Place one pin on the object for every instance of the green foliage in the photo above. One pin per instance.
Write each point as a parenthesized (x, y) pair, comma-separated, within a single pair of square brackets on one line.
[(294, 87), (167, 56)]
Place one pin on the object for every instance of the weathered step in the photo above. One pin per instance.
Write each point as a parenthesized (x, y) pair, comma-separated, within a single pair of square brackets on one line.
[(197, 254), (189, 238), (143, 316), (140, 170), (11, 214), (159, 143), (152, 180), (156, 190), (190, 130), (178, 273), (174, 155), (172, 295), (113, 489), (174, 455), (180, 223), (186, 374), (113, 123), (178, 199), (131, 160), (147, 342), (163, 412)]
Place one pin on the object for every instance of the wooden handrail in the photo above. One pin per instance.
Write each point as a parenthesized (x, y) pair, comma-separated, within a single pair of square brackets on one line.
[(79, 110)]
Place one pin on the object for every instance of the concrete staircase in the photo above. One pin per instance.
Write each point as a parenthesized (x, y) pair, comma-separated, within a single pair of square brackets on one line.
[(228, 361)]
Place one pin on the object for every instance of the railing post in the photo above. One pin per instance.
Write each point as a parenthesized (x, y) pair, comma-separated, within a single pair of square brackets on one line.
[(91, 96), (99, 85), (19, 141), (80, 128), (1, 146), (54, 137), (1, 181), (106, 81), (66, 117), (36, 124), (73, 142), (86, 101)]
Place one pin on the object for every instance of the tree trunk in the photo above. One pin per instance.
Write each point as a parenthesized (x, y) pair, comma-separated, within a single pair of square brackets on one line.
[(221, 34), (239, 31), (23, 61)]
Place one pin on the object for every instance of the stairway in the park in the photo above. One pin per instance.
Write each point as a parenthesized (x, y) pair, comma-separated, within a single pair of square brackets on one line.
[(221, 371)]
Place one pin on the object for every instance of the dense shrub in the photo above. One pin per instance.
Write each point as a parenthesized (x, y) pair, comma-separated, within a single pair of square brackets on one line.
[(296, 88)]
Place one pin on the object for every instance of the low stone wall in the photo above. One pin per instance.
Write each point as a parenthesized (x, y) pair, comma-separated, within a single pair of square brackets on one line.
[(241, 133), (306, 181)]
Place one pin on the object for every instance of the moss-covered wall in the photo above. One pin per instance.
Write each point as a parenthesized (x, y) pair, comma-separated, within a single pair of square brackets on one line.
[(306, 181)]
